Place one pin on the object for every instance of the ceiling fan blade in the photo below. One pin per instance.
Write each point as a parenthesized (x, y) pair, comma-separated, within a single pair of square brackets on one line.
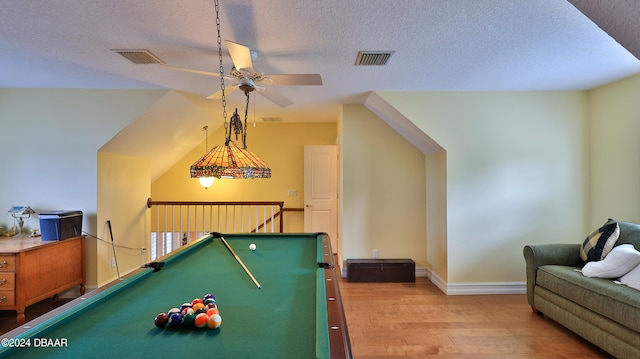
[(199, 72), (275, 97), (297, 79), (241, 56), (227, 91)]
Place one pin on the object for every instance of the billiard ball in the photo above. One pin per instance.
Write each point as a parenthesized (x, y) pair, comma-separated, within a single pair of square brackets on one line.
[(173, 310), (198, 305), (214, 321), (188, 319), (212, 311), (196, 301), (201, 320), (252, 246), (161, 320), (175, 320), (207, 296), (209, 301), (185, 305), (186, 311)]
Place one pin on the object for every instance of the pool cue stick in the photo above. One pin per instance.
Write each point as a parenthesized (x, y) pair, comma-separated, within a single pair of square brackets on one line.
[(241, 263), (113, 246)]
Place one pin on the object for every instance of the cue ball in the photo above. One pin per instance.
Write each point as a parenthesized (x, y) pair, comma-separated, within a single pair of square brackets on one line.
[(252, 247)]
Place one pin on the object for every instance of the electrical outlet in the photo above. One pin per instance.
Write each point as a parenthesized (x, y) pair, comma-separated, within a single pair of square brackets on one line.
[(375, 253), (143, 251), (113, 262)]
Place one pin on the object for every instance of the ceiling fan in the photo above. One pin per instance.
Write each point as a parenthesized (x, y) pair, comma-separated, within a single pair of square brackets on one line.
[(249, 78)]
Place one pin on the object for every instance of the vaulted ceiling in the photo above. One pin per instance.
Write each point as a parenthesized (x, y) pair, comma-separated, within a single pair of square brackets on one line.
[(455, 45)]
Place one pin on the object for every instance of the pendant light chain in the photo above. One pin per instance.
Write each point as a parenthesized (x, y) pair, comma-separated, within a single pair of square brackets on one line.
[(224, 99), (206, 138)]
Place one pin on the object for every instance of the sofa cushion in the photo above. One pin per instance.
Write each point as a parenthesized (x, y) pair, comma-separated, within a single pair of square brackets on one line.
[(629, 233), (603, 296), (600, 242), (618, 262), (632, 278)]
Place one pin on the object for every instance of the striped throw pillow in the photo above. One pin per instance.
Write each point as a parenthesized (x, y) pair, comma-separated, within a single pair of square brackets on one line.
[(599, 243)]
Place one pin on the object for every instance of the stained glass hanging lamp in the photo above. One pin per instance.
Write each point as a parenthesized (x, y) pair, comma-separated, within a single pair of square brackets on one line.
[(229, 160)]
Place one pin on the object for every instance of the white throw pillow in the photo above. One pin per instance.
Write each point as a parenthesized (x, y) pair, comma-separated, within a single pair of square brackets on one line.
[(632, 279), (620, 261)]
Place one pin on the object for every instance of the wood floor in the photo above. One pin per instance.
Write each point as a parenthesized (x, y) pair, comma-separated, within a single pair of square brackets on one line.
[(416, 320), (8, 317)]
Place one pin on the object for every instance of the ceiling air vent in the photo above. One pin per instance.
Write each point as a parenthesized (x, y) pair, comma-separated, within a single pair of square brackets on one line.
[(373, 58), (272, 119), (140, 57)]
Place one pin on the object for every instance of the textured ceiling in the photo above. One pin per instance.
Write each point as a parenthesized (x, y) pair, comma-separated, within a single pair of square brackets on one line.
[(455, 45)]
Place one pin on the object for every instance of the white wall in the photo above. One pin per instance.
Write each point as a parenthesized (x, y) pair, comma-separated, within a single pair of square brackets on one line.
[(123, 190), (436, 219), (383, 191), (615, 152), (516, 173), (50, 140)]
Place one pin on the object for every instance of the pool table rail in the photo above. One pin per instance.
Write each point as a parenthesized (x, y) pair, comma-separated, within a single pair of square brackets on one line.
[(338, 332)]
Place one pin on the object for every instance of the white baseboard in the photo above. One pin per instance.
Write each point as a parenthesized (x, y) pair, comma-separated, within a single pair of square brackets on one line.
[(487, 288), (477, 288), (422, 272), (74, 292)]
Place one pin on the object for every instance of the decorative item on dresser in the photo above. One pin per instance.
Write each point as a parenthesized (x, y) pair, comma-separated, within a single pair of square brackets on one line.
[(32, 269), (19, 213)]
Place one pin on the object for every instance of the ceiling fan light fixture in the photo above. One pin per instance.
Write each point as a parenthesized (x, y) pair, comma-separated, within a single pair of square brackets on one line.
[(246, 87)]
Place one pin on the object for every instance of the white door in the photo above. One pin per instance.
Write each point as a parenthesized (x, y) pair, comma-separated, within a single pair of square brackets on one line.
[(321, 191)]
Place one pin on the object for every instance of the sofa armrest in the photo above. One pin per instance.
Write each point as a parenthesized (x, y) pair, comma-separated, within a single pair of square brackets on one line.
[(537, 255)]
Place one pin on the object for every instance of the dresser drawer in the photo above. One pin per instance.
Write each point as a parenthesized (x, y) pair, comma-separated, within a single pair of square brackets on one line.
[(7, 298), (7, 281), (7, 263)]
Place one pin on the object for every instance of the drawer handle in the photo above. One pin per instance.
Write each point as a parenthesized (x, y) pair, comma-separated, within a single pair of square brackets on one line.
[(3, 264), (3, 298), (3, 281)]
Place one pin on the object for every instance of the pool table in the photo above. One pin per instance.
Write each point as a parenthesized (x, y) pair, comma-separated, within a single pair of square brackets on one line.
[(297, 312)]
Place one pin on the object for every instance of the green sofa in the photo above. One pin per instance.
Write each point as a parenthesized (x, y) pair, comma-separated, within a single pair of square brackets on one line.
[(602, 311)]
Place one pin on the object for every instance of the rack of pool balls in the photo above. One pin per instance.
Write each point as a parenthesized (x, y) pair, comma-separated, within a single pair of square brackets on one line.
[(200, 313)]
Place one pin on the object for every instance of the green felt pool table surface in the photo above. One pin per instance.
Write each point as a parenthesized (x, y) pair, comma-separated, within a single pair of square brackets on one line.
[(296, 313)]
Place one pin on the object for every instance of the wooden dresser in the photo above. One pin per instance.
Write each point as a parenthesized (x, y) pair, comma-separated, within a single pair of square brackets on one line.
[(32, 269)]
